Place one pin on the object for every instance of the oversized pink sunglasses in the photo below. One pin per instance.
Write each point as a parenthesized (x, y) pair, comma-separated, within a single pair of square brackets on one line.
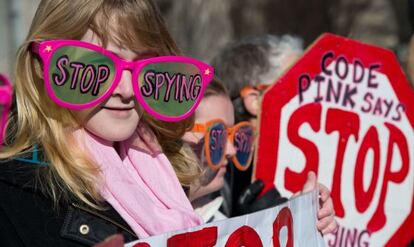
[(80, 75)]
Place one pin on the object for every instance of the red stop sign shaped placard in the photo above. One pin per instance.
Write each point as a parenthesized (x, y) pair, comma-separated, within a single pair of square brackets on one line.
[(346, 111)]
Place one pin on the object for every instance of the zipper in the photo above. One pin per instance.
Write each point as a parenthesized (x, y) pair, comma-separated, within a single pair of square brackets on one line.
[(105, 218)]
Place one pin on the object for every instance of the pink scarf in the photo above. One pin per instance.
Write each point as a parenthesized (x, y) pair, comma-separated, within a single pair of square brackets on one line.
[(140, 183)]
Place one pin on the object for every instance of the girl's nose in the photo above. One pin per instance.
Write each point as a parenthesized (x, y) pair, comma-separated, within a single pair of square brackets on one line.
[(124, 88)]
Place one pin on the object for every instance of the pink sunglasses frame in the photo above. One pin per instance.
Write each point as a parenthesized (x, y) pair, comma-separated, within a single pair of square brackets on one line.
[(6, 94), (46, 49)]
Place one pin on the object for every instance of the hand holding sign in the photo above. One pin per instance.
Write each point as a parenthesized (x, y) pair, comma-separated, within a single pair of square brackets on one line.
[(326, 213)]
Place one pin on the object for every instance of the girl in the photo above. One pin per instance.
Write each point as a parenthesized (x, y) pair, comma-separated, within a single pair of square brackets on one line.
[(215, 114), (85, 156)]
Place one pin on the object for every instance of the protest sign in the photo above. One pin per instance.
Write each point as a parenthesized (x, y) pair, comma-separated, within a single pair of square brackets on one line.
[(290, 224), (345, 111)]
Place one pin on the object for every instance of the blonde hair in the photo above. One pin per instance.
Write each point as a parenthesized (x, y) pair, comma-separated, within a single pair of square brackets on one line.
[(38, 120)]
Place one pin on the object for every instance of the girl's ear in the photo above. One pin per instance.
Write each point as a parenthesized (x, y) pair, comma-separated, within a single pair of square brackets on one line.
[(251, 103)]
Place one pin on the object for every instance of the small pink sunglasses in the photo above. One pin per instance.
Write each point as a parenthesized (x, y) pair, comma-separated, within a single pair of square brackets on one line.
[(80, 75)]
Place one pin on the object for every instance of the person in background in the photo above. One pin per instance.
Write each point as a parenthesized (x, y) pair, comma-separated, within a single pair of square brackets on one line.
[(216, 140), (84, 98), (247, 67)]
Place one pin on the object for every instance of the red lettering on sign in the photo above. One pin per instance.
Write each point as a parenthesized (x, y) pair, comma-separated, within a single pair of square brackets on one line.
[(284, 218), (141, 245), (347, 124), (244, 236), (396, 137), (206, 237), (312, 112), (363, 198)]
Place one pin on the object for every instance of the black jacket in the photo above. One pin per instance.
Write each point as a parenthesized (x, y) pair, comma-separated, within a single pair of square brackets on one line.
[(29, 218)]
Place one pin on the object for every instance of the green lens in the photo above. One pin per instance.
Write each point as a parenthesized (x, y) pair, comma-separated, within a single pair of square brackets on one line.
[(170, 88), (80, 75)]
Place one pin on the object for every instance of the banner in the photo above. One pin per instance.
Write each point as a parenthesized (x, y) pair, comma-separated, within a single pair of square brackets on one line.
[(290, 224), (346, 111)]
